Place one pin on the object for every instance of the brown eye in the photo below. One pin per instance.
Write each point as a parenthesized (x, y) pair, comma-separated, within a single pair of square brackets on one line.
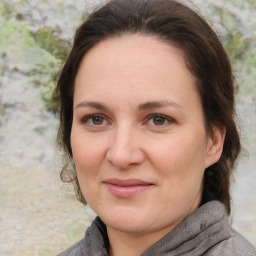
[(159, 120), (97, 120), (94, 120)]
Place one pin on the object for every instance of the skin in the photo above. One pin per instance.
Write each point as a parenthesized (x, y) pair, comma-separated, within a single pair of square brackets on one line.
[(122, 86)]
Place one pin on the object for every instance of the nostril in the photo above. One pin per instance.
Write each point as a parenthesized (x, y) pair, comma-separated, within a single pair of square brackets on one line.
[(124, 157)]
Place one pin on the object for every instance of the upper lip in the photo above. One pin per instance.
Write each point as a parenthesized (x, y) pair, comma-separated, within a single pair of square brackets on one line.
[(128, 182)]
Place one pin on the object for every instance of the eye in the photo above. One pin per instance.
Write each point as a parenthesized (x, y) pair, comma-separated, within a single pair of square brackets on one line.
[(159, 120), (94, 120), (97, 120)]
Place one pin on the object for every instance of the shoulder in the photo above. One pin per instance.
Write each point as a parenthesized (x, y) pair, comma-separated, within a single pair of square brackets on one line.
[(74, 250), (235, 244), (95, 241)]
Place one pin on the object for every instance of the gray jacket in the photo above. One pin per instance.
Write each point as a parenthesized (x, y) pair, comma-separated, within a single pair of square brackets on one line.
[(205, 232)]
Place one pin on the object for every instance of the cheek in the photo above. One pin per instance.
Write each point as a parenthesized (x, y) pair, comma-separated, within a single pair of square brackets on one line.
[(181, 166), (87, 155), (180, 159), (87, 151)]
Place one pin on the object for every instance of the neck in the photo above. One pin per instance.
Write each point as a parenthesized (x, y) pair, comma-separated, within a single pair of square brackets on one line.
[(130, 244)]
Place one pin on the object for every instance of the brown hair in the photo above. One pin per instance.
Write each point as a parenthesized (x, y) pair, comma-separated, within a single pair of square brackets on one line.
[(180, 26)]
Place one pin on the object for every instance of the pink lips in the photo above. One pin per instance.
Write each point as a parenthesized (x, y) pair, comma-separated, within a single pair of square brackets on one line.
[(126, 188)]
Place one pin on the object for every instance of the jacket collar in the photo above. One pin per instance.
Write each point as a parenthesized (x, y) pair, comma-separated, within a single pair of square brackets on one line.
[(202, 229)]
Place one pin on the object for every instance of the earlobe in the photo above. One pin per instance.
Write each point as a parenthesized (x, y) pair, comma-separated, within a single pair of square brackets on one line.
[(215, 145)]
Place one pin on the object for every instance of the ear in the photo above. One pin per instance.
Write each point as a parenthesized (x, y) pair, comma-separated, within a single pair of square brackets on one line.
[(215, 145)]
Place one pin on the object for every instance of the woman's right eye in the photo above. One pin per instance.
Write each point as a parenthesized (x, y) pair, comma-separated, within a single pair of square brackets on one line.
[(94, 120)]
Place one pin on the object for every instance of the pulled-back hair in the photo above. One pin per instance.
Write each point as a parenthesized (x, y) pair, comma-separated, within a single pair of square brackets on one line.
[(176, 24)]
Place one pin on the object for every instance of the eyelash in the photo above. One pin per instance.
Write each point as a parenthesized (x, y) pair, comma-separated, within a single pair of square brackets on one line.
[(87, 118), (166, 119), (150, 117)]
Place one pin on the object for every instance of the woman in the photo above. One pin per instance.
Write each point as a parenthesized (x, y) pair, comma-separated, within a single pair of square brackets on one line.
[(147, 121)]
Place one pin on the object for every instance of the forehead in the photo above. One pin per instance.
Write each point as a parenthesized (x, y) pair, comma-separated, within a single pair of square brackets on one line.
[(131, 48), (143, 64)]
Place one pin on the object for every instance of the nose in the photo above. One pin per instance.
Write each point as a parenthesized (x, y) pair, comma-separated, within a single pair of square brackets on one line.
[(125, 149)]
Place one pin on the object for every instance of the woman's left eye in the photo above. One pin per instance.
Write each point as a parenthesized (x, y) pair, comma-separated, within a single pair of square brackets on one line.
[(159, 120)]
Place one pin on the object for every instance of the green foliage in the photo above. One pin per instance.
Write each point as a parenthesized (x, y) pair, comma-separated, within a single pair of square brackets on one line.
[(5, 10), (239, 44), (45, 77), (47, 72), (6, 29), (235, 42), (47, 97), (40, 53), (236, 45), (46, 39), (27, 35)]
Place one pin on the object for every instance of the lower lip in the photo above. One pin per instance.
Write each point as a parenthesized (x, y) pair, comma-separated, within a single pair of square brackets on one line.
[(126, 191)]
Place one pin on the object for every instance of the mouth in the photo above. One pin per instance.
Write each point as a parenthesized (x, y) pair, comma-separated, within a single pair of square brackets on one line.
[(126, 188)]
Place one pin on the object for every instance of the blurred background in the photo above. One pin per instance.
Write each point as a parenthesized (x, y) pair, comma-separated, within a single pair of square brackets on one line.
[(39, 214)]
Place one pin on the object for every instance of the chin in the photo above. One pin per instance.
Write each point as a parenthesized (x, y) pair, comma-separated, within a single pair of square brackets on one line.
[(130, 220), (130, 226)]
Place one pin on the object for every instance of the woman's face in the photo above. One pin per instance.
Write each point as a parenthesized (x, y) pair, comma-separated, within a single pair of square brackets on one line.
[(138, 136)]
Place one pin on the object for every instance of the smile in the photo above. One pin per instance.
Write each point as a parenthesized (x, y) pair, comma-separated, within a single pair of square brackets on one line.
[(126, 188)]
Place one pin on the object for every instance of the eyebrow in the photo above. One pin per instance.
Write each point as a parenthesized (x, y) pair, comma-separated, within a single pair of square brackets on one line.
[(91, 104), (158, 104), (141, 107)]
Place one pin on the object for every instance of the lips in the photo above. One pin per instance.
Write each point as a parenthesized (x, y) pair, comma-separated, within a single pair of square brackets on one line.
[(126, 188)]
